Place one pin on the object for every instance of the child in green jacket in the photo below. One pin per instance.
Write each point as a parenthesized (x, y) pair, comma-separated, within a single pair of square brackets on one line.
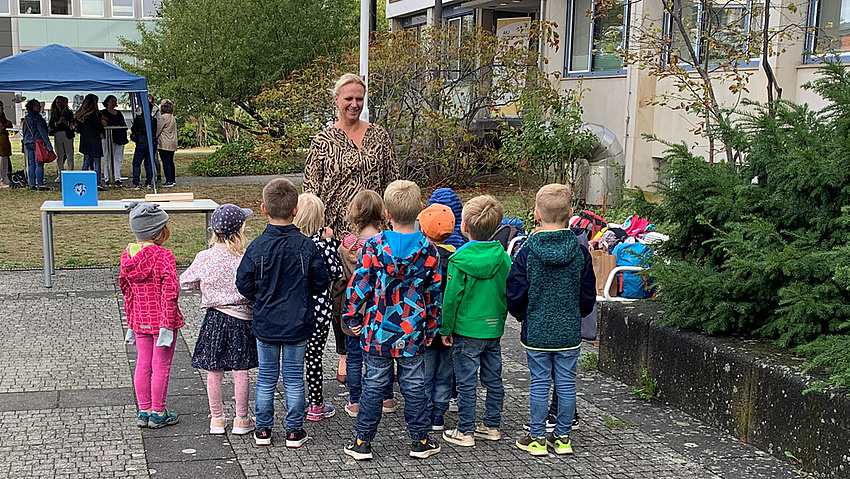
[(474, 312)]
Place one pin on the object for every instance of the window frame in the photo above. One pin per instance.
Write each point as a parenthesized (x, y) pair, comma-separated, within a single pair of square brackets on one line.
[(102, 13), (132, 10), (811, 40), (22, 12), (668, 29), (157, 4), (9, 6), (70, 9), (568, 59)]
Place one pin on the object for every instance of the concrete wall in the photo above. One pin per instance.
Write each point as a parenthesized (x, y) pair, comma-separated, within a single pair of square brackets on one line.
[(747, 388)]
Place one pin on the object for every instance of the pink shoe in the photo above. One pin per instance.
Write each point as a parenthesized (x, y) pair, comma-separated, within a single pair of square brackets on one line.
[(217, 425), (319, 412), (388, 406), (242, 425), (352, 409)]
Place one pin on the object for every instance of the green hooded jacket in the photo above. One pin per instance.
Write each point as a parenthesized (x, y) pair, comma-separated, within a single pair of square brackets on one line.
[(474, 302)]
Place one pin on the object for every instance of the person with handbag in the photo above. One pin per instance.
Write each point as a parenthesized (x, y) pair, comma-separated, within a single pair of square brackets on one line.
[(61, 126), (91, 131), (35, 131), (5, 150)]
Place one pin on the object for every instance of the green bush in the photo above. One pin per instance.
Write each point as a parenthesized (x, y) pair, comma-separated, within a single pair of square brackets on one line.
[(242, 158), (763, 250)]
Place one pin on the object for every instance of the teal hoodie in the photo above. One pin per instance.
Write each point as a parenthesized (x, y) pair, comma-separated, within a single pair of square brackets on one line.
[(474, 302)]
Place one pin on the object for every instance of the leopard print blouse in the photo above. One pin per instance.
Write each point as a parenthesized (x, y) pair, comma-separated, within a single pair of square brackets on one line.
[(336, 170)]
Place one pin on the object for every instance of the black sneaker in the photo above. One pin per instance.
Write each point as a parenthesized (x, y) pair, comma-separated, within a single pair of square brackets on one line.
[(424, 448), (296, 438), (263, 436), (575, 422), (550, 425), (359, 450)]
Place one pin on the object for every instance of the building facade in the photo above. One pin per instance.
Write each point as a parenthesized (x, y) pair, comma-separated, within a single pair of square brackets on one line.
[(621, 97)]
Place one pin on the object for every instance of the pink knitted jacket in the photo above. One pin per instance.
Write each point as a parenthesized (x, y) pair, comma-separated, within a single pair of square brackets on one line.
[(148, 281)]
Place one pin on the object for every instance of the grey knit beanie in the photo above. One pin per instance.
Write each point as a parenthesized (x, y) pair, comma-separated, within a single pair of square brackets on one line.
[(146, 219)]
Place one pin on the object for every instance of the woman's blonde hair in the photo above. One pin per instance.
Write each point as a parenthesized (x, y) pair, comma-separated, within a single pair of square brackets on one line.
[(162, 236), (366, 209), (345, 80), (235, 243), (311, 214)]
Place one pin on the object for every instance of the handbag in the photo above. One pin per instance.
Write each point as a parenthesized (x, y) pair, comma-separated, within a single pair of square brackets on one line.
[(18, 179), (42, 155)]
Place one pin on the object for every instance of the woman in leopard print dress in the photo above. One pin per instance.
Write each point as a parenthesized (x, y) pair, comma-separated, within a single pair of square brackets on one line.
[(351, 156)]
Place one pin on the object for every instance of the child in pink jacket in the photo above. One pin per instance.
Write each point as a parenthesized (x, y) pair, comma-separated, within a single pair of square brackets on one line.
[(148, 281)]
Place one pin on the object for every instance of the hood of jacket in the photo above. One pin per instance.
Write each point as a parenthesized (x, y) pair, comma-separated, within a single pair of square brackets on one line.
[(557, 248), (404, 254), (141, 261), (448, 197), (481, 259)]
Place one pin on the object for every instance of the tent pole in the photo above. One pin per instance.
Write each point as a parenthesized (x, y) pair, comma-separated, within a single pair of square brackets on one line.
[(146, 111)]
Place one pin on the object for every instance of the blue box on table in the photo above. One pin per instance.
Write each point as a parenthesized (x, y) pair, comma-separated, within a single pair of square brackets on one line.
[(79, 188)]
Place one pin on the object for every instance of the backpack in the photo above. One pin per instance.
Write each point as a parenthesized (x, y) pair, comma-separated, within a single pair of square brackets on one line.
[(632, 284), (588, 221), (508, 230)]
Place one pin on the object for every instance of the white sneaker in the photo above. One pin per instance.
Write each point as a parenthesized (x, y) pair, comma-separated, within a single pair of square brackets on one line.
[(461, 439), (489, 433)]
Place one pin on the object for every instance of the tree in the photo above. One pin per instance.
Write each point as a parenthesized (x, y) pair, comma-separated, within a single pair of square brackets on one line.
[(212, 56)]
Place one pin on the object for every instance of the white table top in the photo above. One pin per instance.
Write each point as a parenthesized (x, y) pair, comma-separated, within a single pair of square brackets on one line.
[(115, 206)]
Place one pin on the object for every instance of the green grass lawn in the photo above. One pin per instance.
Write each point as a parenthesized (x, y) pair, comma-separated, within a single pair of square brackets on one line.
[(181, 165)]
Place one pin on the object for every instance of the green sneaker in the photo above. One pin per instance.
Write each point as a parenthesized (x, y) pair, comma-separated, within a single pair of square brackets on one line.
[(560, 444), (142, 419), (536, 446)]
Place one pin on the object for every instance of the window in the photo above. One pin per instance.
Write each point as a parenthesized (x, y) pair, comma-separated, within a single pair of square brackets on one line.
[(595, 39), (122, 8), (461, 28), (92, 8), (60, 7), (30, 7), (150, 8), (720, 31), (832, 22), (4, 7)]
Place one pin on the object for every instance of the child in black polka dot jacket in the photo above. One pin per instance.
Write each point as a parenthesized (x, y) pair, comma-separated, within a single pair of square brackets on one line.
[(310, 219)]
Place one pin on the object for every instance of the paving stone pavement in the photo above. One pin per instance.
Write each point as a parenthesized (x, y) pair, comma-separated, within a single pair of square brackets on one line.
[(67, 410)]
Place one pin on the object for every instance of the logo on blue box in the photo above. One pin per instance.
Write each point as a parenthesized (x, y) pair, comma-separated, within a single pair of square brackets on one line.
[(79, 188)]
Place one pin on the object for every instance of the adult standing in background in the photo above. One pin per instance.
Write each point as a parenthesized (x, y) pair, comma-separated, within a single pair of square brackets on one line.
[(351, 156), (90, 128), (61, 126), (155, 116), (112, 117), (166, 139), (35, 128), (139, 135), (5, 148)]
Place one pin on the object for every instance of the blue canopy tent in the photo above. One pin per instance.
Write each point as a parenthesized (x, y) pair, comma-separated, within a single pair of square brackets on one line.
[(59, 68)]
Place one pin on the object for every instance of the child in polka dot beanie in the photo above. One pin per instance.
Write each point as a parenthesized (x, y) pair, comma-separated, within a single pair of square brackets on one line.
[(310, 219), (225, 341)]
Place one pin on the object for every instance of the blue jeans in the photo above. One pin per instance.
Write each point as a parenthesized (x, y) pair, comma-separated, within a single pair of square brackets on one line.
[(142, 155), (93, 163), (438, 379), (35, 170), (286, 360), (542, 365), (474, 358), (411, 381), (354, 371)]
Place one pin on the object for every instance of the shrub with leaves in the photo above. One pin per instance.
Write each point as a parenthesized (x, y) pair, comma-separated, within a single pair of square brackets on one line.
[(763, 250), (245, 158)]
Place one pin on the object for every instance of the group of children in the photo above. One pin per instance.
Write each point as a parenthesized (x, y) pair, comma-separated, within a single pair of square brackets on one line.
[(415, 310)]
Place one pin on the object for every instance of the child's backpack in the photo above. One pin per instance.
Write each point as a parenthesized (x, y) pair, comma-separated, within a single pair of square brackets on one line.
[(508, 230), (588, 221), (632, 284)]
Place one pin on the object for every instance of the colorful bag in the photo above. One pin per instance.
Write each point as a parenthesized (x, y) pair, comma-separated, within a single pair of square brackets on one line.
[(588, 221), (42, 154)]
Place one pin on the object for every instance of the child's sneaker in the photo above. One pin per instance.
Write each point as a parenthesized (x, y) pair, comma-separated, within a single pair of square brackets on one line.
[(454, 436), (142, 419), (550, 425), (575, 422), (296, 438), (359, 450), (453, 405), (352, 409), (424, 448), (388, 406), (319, 412), (438, 423), (489, 433), (560, 444), (217, 425), (242, 425), (263, 436), (157, 421), (536, 446)]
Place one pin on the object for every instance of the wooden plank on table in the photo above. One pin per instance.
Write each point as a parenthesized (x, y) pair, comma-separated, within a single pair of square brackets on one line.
[(159, 197)]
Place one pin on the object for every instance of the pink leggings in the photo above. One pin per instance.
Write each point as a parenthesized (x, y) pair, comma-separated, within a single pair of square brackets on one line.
[(153, 366), (240, 389)]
